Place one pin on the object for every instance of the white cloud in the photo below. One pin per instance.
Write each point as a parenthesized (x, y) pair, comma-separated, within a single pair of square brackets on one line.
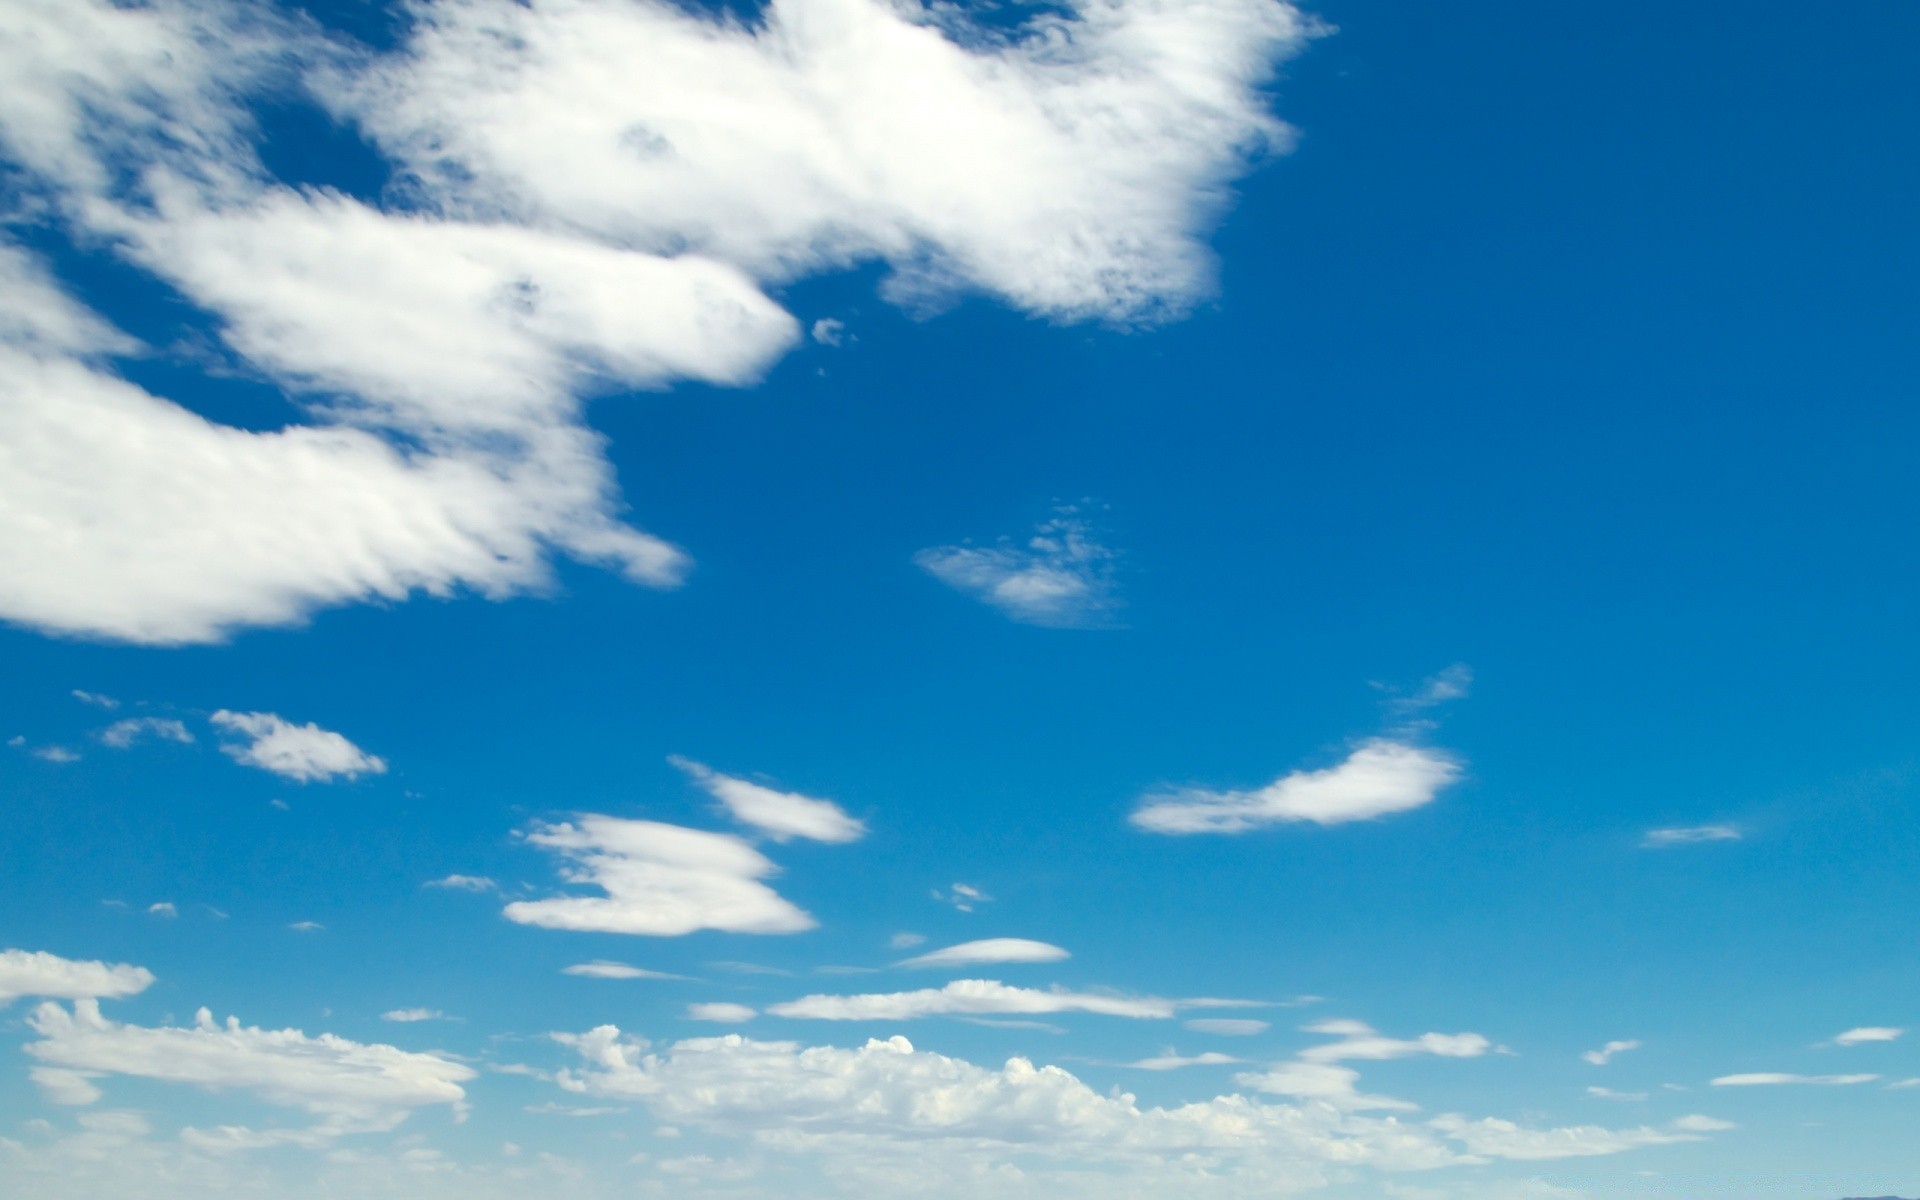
[(1606, 1053), (1868, 1033), (1454, 683), (1359, 1041), (968, 996), (164, 908), (1603, 1093), (963, 896), (660, 880), (602, 969), (1700, 1124), (55, 754), (124, 733), (1778, 1079), (412, 1015), (61, 1086), (299, 752), (829, 332), (349, 1086), (1321, 1083), (721, 1011), (463, 883), (1173, 1062), (990, 950), (1227, 1026), (1495, 1138), (577, 232), (780, 815), (306, 927), (93, 698), (37, 973), (1060, 578), (1378, 778), (1694, 835)]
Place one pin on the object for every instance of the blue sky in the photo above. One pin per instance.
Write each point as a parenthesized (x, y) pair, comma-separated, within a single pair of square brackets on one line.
[(1354, 561)]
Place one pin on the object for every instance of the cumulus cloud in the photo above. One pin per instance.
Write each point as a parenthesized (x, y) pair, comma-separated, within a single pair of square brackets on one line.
[(1358, 1040), (1868, 1033), (1379, 778), (1692, 835), (1779, 1079), (971, 997), (37, 973), (660, 880), (1061, 577), (1606, 1053), (602, 969), (303, 753), (780, 815), (989, 950), (348, 1086), (124, 733), (599, 192), (888, 1096)]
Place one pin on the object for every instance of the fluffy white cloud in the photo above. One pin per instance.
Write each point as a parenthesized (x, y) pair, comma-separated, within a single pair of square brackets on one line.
[(300, 752), (1868, 1033), (1779, 1079), (1692, 835), (780, 815), (971, 997), (37, 973), (1061, 577), (602, 969), (1606, 1053), (1323, 1083), (602, 189), (349, 1086), (660, 880), (1379, 778), (990, 950), (124, 733)]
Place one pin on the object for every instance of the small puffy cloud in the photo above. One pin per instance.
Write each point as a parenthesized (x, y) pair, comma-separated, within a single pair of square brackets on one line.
[(1781, 1079), (349, 1086), (779, 815), (963, 896), (1228, 1026), (1061, 578), (602, 969), (1379, 778), (660, 881), (1867, 1034), (164, 908), (95, 699), (1690, 835), (463, 883), (303, 753), (1173, 1062), (829, 332), (1606, 1053), (1360, 1041), (37, 973), (990, 950), (971, 997), (408, 1016), (124, 733), (722, 1012)]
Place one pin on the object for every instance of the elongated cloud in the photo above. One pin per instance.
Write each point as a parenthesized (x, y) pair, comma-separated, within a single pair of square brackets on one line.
[(660, 880), (350, 1086), (37, 973), (1867, 1034), (990, 950), (780, 815), (971, 997), (1691, 835), (1361, 1041), (1606, 1053), (601, 191), (1061, 577), (303, 753), (1378, 779), (1781, 1079)]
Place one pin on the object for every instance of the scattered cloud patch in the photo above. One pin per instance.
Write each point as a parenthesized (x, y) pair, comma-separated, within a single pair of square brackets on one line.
[(463, 883), (907, 941), (1228, 1026), (303, 753), (95, 699), (1173, 1062), (990, 950), (722, 1012), (660, 881), (37, 973), (972, 997), (1062, 578), (164, 908), (1606, 1053), (1779, 1079), (829, 332), (1603, 1093), (408, 1016), (129, 730), (54, 754), (1868, 1034), (1321, 1083), (962, 896), (602, 969), (1692, 835), (306, 927), (1358, 1040), (782, 816), (1495, 1138), (1454, 683), (1380, 778)]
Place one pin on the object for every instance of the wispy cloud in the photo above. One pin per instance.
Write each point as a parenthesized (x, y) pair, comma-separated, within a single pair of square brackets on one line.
[(1689, 835), (963, 896), (972, 997), (1379, 778), (1868, 1033), (1358, 1040), (780, 815), (1779, 1079), (990, 950), (603, 969), (463, 883), (125, 732), (1173, 1062), (409, 1016), (1606, 1053), (1061, 577), (303, 753)]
